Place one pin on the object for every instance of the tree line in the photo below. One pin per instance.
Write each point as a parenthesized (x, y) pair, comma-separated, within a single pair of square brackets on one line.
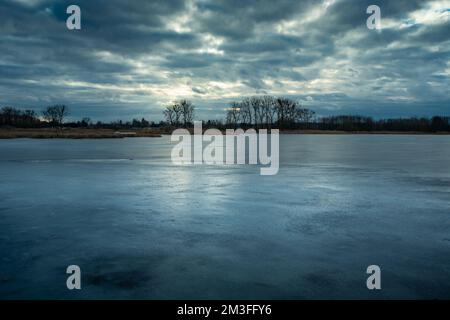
[(253, 112), (53, 115), (360, 123), (179, 113), (267, 112)]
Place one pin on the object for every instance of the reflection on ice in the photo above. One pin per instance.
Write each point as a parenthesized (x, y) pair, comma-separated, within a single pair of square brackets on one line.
[(140, 227)]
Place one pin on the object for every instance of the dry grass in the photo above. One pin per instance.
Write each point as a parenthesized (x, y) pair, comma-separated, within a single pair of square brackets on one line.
[(84, 133), (75, 133)]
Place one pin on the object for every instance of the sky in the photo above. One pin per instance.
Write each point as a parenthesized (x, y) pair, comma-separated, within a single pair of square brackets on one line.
[(133, 58)]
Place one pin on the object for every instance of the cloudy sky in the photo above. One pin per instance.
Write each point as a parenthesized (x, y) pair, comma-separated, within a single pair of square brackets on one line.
[(131, 58)]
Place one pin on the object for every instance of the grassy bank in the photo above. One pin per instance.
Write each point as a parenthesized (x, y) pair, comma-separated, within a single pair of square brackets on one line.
[(75, 133), (361, 132), (85, 133)]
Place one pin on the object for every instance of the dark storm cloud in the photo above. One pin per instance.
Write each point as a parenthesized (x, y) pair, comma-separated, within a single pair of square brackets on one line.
[(239, 19), (132, 57), (345, 15)]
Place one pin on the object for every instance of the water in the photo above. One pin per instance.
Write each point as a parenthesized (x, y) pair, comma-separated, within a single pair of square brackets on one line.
[(140, 227)]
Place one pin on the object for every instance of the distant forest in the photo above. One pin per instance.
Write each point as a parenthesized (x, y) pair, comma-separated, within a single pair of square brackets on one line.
[(255, 112)]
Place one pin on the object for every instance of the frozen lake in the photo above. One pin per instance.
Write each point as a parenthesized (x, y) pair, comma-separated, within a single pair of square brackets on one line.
[(140, 227)]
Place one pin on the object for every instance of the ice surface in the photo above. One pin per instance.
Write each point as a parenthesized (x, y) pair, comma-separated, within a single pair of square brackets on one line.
[(140, 227)]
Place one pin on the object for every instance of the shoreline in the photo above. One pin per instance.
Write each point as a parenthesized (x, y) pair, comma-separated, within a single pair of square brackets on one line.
[(75, 133), (363, 132), (85, 133)]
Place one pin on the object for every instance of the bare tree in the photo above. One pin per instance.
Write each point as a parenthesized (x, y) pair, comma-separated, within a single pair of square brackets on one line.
[(169, 114), (281, 110), (56, 114), (267, 110), (246, 112), (7, 115), (177, 113), (305, 116), (180, 112), (187, 111), (255, 103), (234, 114), (287, 111)]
